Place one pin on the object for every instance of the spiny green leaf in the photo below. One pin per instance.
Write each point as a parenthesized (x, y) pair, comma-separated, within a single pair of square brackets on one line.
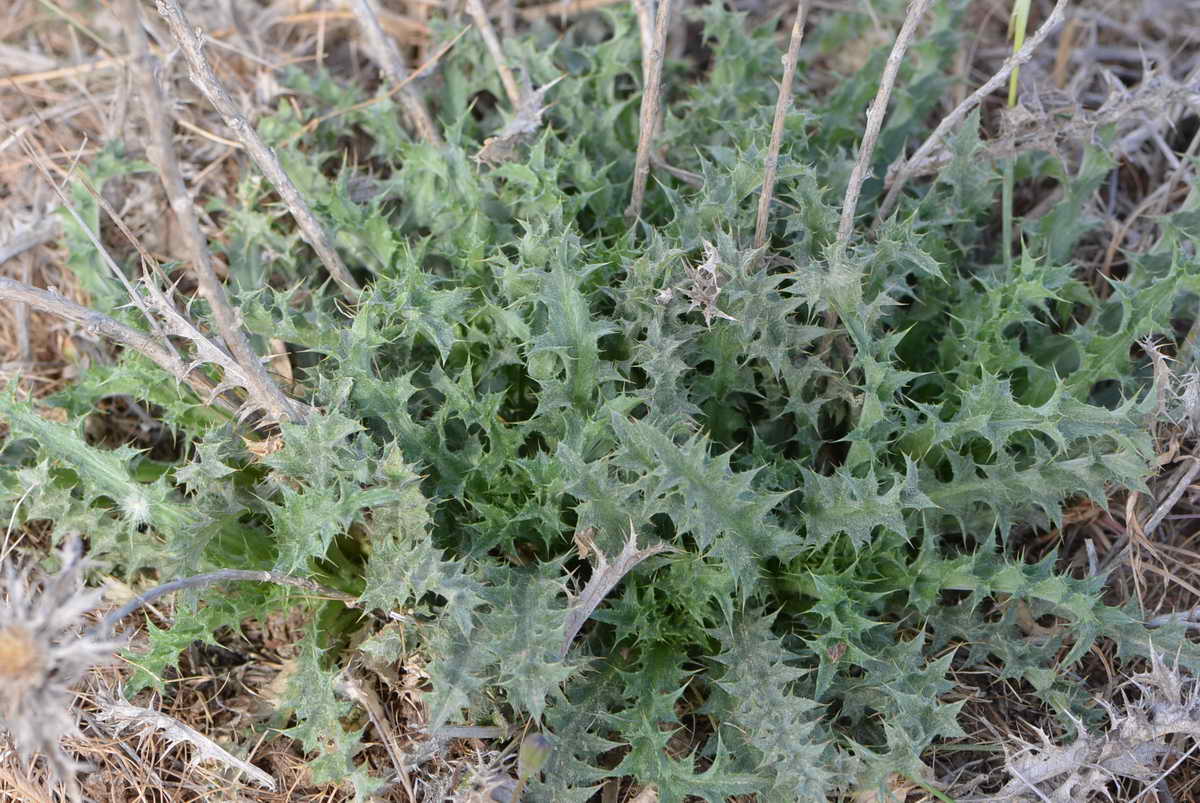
[(720, 508), (766, 716), (311, 697), (846, 504)]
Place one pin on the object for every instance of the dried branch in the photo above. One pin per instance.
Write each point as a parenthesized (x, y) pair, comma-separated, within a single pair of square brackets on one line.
[(364, 695), (905, 170), (109, 622), (385, 53), (645, 16), (164, 321), (605, 577), (875, 123), (160, 313), (233, 375), (508, 18), (649, 115), (206, 81), (258, 383), (120, 715), (781, 107), (479, 14), (97, 323)]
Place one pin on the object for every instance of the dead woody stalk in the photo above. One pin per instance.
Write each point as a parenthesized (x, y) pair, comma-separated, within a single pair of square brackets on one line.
[(207, 82)]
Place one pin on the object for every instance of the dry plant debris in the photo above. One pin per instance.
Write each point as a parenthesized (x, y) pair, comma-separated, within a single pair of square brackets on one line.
[(524, 125), (120, 716), (71, 78), (1141, 732), (44, 651), (703, 287)]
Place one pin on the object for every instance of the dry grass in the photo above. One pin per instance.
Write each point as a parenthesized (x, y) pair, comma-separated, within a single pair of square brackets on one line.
[(67, 89)]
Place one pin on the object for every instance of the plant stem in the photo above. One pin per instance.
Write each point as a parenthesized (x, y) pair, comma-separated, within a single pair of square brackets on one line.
[(875, 117), (222, 576), (1006, 214), (649, 115), (781, 107), (903, 170), (202, 75), (1017, 24)]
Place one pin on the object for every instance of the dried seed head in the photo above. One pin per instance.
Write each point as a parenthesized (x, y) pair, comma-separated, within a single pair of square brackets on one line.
[(20, 657), (43, 653), (705, 285)]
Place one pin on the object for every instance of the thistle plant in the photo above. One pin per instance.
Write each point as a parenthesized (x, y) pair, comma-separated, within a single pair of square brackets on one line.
[(597, 393), (46, 646)]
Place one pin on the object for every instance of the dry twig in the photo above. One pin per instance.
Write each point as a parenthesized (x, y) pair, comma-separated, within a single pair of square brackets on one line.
[(119, 716), (162, 152), (649, 115), (781, 107), (67, 72), (903, 171), (97, 323), (165, 320), (158, 310), (479, 14), (605, 577), (427, 66), (645, 16), (362, 693), (875, 123), (206, 81), (390, 60), (508, 18)]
